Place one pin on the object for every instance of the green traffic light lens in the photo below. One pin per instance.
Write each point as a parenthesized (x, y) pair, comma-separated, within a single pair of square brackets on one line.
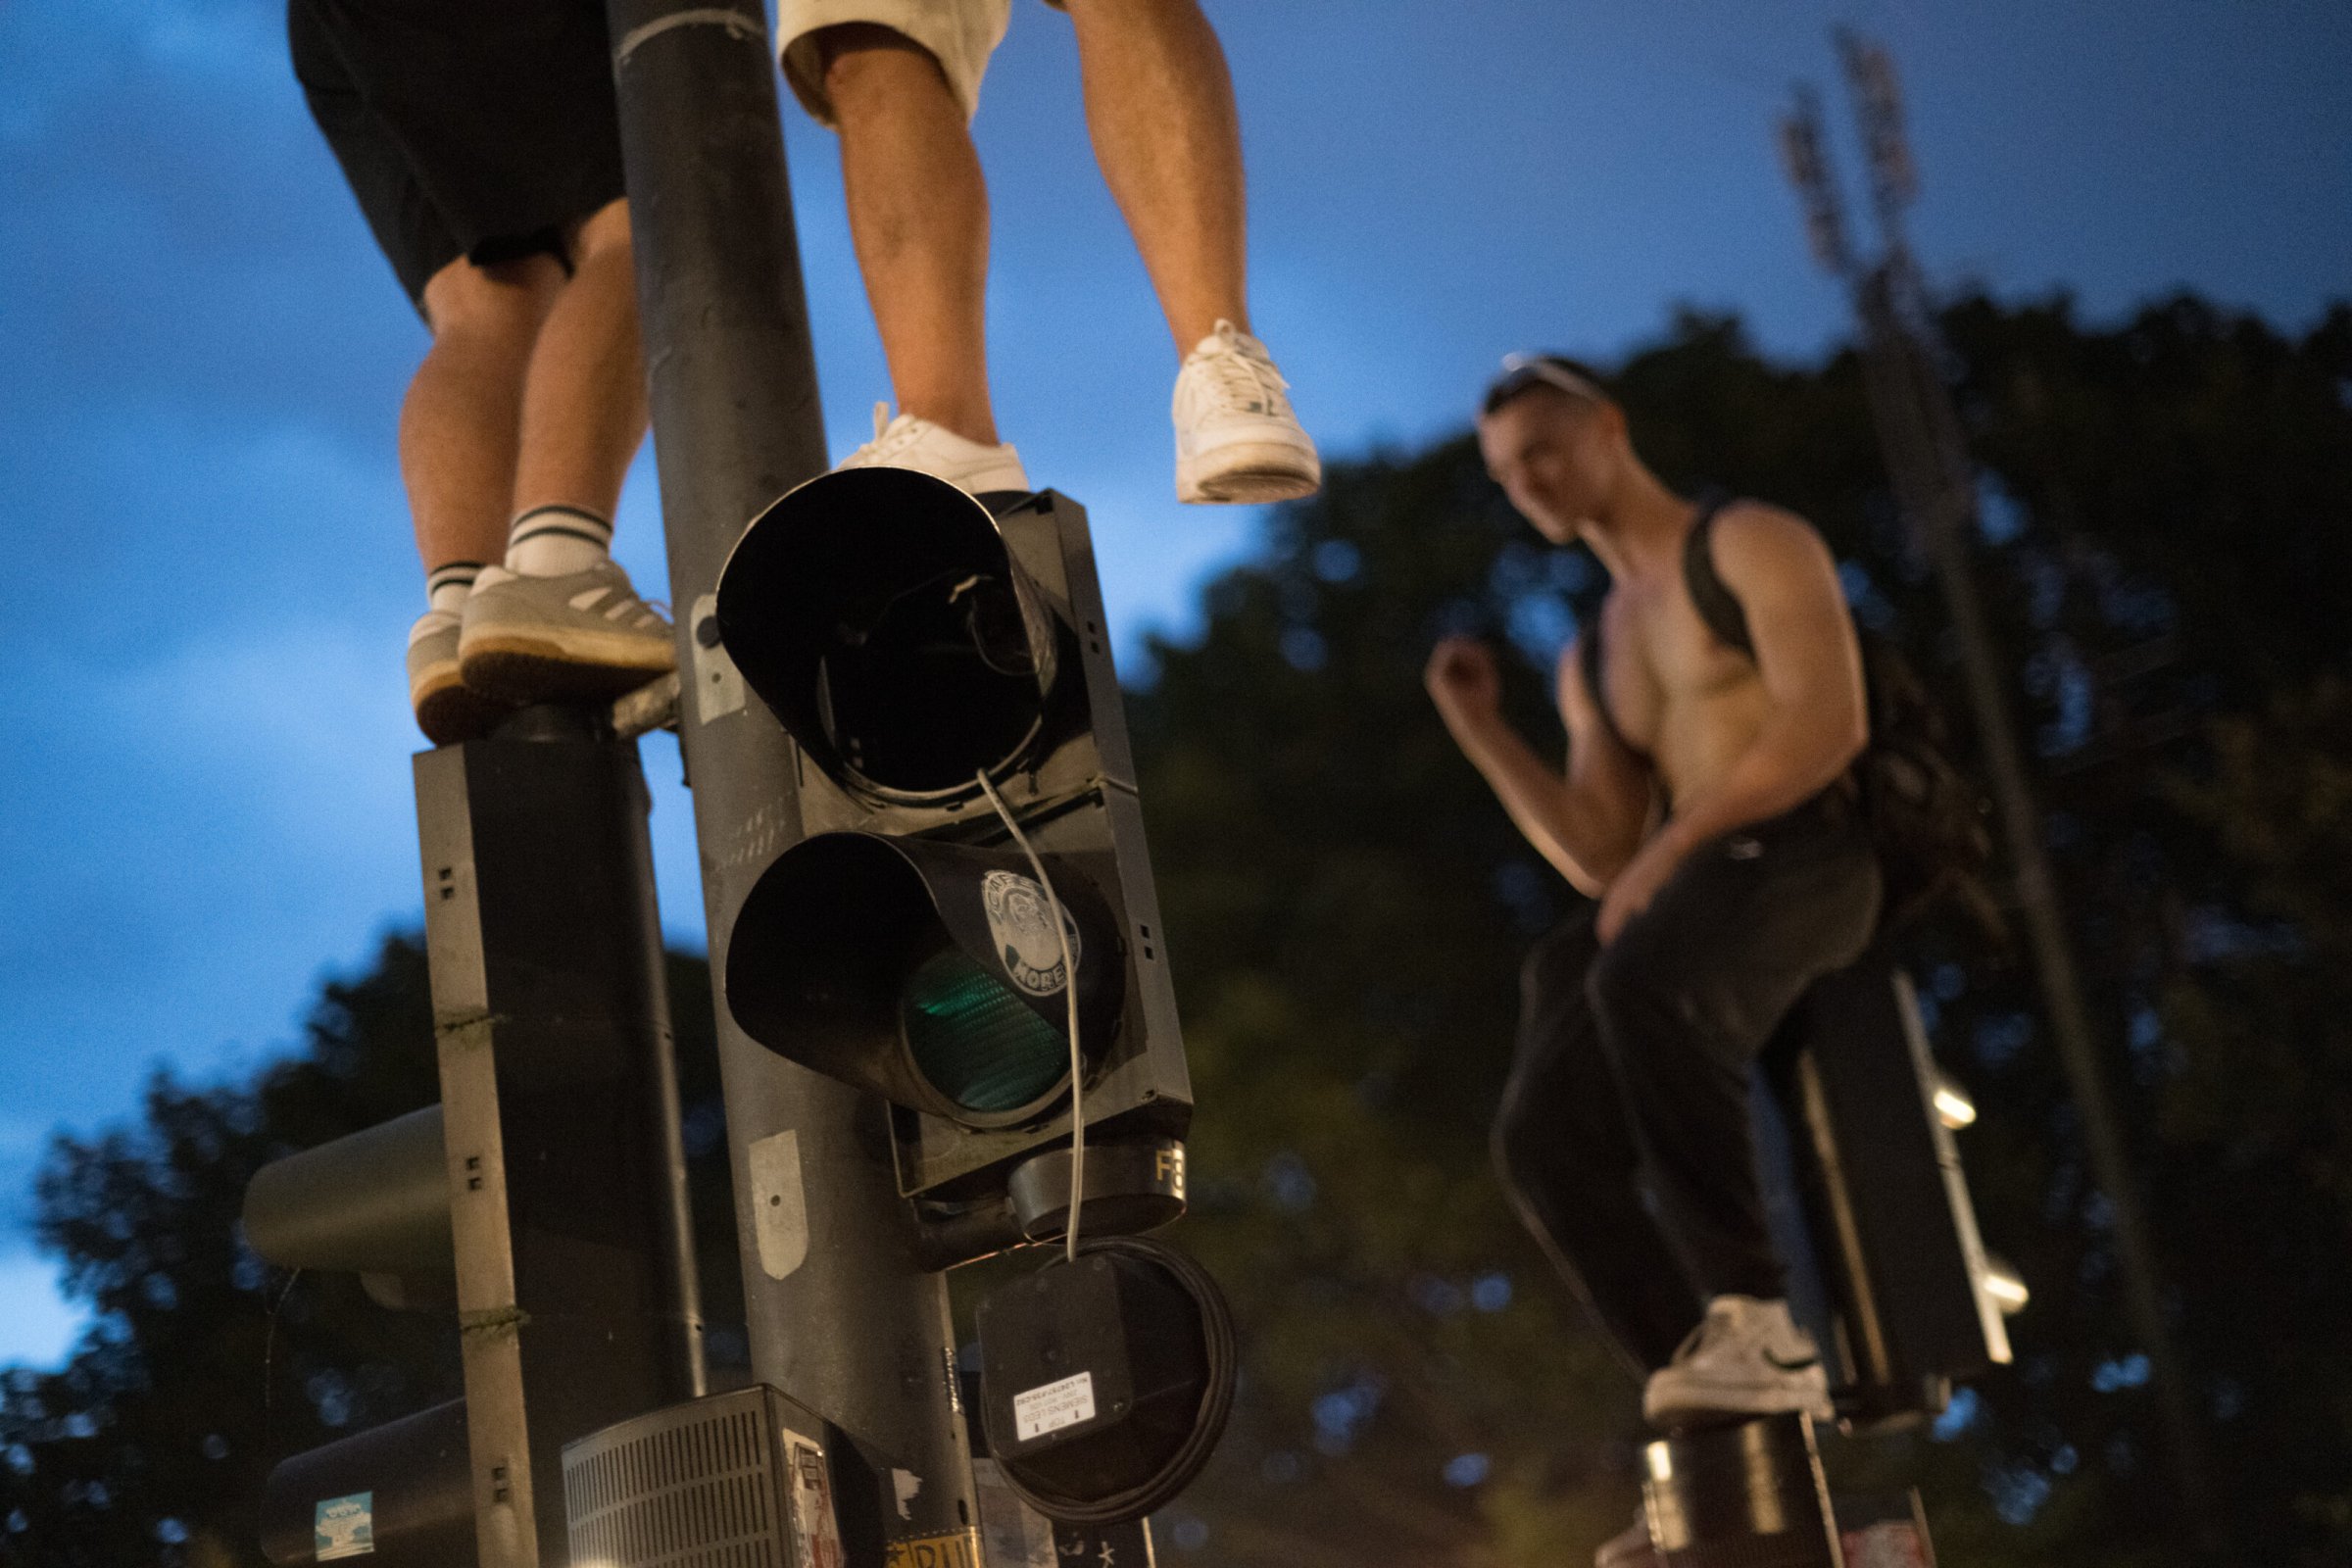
[(976, 1041)]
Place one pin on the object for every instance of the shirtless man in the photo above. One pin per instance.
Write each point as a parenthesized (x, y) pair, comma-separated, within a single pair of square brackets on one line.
[(1706, 806)]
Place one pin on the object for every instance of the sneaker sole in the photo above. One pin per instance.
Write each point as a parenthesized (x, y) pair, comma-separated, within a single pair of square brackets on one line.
[(523, 668), (448, 710), (1248, 473)]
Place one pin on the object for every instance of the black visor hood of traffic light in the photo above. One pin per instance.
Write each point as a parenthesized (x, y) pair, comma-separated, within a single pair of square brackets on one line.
[(880, 616), (928, 973)]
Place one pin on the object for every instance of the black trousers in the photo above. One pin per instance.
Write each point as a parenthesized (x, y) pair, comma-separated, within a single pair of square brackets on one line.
[(1624, 1137)]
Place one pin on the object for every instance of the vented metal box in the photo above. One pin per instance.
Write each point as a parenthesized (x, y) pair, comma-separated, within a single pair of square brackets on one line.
[(737, 1480)]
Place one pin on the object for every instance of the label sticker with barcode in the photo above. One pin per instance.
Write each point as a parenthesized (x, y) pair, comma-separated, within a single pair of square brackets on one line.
[(1053, 1406)]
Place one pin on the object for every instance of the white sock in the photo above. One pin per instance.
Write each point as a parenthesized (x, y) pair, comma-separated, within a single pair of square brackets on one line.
[(447, 585), (557, 541)]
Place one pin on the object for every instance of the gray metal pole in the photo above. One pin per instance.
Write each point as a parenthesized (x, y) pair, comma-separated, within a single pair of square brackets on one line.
[(842, 1317)]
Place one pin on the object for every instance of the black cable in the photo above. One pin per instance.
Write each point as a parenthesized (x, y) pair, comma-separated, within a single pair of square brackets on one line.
[(1209, 1423)]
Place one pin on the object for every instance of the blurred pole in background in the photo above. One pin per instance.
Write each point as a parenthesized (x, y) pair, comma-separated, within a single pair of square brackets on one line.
[(1926, 448)]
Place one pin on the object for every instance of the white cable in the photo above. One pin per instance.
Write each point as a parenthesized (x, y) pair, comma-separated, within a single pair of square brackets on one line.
[(1070, 973)]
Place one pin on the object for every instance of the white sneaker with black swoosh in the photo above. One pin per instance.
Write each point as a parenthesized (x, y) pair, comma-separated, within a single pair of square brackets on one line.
[(1747, 1358)]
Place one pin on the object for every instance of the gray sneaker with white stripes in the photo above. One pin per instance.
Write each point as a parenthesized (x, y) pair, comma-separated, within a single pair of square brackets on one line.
[(582, 635)]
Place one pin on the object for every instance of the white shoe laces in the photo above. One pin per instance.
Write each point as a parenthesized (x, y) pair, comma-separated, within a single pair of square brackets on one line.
[(1228, 375), (890, 437)]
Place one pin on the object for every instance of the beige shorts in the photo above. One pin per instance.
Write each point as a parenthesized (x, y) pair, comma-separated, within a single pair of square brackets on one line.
[(960, 36)]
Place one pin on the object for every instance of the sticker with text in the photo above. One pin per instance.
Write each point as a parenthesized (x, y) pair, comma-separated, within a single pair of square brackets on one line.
[(959, 1550), (1053, 1406)]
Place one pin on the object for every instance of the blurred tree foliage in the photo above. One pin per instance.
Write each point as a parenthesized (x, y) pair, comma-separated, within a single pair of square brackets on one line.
[(2167, 533)]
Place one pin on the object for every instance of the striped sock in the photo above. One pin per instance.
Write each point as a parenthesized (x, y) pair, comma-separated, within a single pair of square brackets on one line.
[(557, 541), (448, 584)]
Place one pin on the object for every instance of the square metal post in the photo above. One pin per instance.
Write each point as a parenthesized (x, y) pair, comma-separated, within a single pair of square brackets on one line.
[(575, 1286)]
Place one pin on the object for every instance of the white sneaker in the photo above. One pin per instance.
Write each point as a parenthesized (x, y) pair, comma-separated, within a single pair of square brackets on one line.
[(1747, 1358), (911, 442), (1237, 440)]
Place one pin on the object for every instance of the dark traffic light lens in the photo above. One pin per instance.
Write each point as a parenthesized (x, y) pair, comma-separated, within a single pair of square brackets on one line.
[(977, 1042), (931, 683)]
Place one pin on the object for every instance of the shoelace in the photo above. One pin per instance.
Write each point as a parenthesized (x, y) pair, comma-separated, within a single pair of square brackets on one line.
[(1235, 375), (891, 435)]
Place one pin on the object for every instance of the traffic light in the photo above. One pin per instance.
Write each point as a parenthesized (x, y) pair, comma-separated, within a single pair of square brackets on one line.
[(374, 1202), (377, 1203), (1901, 1292), (540, 1207), (942, 669)]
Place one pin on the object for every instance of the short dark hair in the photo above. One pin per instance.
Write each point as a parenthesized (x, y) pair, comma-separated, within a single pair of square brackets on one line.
[(1523, 373)]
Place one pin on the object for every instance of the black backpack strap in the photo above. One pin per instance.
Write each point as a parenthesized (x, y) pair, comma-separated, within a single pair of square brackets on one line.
[(1717, 605)]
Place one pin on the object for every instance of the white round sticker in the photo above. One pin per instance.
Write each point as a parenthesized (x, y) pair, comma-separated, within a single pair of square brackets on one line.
[(1020, 923)]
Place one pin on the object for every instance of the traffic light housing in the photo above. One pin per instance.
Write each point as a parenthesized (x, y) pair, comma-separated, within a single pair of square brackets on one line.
[(541, 1205), (374, 1202), (914, 640), (1871, 1204)]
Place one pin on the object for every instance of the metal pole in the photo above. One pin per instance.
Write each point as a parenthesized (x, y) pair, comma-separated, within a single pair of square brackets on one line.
[(842, 1317), (1935, 488), (1926, 448)]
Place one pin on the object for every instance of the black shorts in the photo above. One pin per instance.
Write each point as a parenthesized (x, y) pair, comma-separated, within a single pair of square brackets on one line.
[(481, 129)]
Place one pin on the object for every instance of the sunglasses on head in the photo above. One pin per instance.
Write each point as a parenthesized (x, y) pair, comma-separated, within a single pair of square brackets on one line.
[(1523, 371)]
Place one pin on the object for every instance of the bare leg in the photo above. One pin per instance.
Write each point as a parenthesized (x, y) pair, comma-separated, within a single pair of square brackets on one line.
[(462, 421), (918, 213), (583, 404), (1160, 103)]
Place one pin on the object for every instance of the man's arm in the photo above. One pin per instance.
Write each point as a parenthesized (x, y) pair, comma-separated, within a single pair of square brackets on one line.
[(1817, 721), (1587, 824), (1811, 668)]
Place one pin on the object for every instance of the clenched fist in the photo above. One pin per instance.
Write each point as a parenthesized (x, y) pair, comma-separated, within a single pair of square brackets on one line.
[(1463, 681)]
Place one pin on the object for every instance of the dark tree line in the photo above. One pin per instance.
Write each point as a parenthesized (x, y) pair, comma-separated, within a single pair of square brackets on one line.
[(2167, 541)]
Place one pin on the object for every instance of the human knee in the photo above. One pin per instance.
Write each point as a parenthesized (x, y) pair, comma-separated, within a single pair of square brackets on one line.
[(1124, 12), (1623, 980), (603, 234), (868, 67), (1537, 1146), (501, 301), (1508, 1148)]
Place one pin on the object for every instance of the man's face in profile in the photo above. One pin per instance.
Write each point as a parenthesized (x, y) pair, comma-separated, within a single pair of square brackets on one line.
[(1552, 454)]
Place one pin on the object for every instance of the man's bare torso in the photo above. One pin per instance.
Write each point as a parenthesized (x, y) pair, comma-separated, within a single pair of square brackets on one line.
[(1680, 697)]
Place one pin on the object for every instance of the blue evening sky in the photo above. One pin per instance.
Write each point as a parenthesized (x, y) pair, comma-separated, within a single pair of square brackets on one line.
[(204, 802)]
